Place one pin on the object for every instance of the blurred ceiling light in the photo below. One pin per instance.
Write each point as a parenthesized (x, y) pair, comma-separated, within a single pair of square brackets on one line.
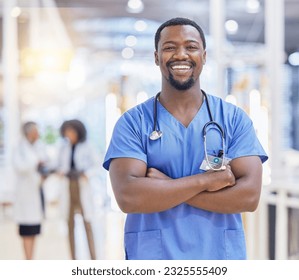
[(294, 58), (140, 25), (34, 61), (135, 6), (231, 27), (15, 12), (127, 53), (252, 6), (49, 61), (131, 41)]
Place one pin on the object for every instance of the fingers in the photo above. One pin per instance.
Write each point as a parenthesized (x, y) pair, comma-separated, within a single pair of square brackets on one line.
[(149, 172), (231, 176), (155, 173), (152, 172)]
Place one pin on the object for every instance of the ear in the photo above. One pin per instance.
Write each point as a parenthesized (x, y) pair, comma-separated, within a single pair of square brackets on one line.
[(204, 57), (156, 58)]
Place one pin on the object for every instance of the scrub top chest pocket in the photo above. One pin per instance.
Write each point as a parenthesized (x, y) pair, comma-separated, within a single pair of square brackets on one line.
[(214, 147)]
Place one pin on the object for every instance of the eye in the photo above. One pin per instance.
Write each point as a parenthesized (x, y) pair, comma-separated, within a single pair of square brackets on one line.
[(192, 48), (168, 48)]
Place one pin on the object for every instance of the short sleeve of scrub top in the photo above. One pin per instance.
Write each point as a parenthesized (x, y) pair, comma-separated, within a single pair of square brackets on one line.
[(126, 141), (243, 140)]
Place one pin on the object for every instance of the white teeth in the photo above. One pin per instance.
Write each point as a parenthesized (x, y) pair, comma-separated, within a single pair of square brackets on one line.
[(184, 67)]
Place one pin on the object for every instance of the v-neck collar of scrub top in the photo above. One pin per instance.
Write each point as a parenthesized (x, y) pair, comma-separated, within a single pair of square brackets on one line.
[(164, 115)]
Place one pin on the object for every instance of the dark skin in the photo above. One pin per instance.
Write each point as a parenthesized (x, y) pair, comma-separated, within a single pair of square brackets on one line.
[(138, 189)]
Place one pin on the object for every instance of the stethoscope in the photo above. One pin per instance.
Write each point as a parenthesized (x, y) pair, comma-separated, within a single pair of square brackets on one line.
[(156, 134)]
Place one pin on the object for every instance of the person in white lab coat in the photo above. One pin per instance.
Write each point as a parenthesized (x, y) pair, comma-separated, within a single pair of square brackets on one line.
[(78, 162), (29, 160)]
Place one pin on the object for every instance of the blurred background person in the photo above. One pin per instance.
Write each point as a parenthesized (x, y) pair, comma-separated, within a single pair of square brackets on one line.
[(29, 161), (77, 164)]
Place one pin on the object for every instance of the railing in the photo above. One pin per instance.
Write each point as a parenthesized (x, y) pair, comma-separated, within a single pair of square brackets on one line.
[(284, 195)]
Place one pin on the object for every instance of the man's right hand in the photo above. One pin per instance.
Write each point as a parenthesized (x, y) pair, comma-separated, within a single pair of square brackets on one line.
[(218, 180)]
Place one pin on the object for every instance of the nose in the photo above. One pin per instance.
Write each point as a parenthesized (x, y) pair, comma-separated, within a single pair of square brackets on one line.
[(181, 53)]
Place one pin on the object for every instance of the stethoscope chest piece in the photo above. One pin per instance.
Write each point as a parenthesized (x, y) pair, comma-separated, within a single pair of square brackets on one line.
[(155, 135)]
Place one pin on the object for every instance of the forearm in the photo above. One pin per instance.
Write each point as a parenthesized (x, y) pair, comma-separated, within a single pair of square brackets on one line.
[(147, 195), (243, 197)]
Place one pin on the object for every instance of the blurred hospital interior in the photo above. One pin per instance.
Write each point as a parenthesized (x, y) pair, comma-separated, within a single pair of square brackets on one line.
[(93, 59)]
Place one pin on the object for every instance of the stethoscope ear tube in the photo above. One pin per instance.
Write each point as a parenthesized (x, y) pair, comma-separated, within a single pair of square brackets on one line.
[(204, 130)]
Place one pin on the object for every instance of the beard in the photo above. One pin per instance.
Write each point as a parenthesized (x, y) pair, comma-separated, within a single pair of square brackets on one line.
[(181, 85)]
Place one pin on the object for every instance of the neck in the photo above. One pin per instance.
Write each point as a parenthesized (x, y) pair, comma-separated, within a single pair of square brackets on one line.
[(192, 98), (182, 105)]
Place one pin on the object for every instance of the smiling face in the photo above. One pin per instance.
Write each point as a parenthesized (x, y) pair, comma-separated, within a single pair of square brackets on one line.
[(180, 56)]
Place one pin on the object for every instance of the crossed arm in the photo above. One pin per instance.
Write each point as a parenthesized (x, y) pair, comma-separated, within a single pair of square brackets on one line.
[(141, 190)]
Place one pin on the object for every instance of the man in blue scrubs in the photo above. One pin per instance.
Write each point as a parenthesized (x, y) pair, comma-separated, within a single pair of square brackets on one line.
[(176, 208)]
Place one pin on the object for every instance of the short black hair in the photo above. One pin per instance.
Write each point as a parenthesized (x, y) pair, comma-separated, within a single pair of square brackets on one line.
[(76, 125), (179, 21)]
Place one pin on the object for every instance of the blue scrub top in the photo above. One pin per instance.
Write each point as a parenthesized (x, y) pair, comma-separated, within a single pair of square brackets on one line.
[(183, 232)]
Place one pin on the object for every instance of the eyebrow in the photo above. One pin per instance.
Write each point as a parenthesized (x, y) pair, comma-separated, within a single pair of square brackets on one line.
[(187, 41)]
